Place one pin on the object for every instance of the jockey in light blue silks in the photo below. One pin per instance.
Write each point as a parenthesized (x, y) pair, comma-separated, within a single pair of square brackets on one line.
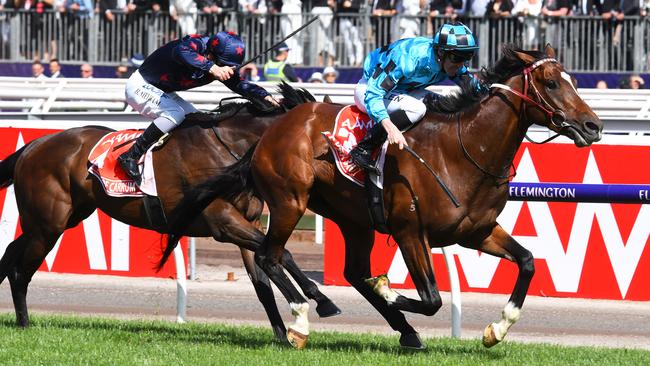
[(394, 79)]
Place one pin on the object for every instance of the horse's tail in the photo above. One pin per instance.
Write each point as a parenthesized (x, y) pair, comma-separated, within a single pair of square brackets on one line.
[(7, 168), (231, 183)]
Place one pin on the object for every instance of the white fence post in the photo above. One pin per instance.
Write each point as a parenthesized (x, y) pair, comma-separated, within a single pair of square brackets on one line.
[(319, 229), (454, 285), (181, 285), (192, 255)]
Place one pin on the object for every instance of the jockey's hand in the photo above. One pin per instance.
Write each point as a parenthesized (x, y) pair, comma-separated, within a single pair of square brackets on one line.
[(222, 73), (395, 136), (270, 99)]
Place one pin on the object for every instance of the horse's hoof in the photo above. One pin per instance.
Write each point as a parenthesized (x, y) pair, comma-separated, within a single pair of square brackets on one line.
[(489, 338), (297, 339), (327, 309), (411, 341)]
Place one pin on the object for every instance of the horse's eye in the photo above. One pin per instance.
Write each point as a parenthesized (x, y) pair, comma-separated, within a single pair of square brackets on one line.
[(551, 84)]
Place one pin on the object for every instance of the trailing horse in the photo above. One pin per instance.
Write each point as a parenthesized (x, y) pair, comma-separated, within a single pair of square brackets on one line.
[(469, 140), (54, 192)]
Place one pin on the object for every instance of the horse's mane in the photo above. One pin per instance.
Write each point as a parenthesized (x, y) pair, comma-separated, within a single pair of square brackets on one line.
[(290, 98), (506, 67)]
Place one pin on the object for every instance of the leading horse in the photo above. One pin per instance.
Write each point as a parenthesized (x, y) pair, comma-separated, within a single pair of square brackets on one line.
[(54, 192), (470, 140)]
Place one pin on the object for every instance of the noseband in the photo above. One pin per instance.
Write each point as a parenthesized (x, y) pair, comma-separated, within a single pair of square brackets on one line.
[(557, 117)]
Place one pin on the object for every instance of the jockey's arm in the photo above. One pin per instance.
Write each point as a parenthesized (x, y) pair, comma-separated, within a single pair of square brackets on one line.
[(247, 89), (383, 80)]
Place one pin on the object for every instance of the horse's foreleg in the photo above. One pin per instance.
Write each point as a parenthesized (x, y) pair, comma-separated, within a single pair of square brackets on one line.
[(325, 307), (264, 293), (358, 245), (501, 244)]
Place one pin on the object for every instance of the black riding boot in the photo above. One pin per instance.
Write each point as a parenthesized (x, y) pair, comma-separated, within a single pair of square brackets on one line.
[(129, 159), (361, 154)]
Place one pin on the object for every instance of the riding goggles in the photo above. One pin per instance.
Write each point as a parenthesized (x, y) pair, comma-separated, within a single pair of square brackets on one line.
[(460, 57)]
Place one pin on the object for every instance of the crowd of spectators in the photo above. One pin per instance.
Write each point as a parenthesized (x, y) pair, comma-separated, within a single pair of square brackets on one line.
[(335, 16)]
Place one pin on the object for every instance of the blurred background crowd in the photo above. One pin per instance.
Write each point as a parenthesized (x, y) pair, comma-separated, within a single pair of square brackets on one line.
[(590, 35)]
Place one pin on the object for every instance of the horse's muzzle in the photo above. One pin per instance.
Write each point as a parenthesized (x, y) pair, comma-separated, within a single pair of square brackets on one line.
[(584, 133)]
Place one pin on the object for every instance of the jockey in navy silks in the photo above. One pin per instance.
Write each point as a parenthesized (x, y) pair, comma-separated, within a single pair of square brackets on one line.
[(392, 89), (182, 64)]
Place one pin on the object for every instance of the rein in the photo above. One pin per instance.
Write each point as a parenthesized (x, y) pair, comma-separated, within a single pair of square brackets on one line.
[(228, 114), (469, 157), (556, 116)]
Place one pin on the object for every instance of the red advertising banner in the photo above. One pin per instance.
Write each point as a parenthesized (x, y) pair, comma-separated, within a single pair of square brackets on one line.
[(99, 245), (586, 250)]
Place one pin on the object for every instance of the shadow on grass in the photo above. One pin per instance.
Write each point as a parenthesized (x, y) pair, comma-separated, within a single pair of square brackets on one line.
[(256, 338)]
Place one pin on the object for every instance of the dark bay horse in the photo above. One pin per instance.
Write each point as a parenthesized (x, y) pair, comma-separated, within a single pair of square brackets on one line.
[(469, 140), (54, 192)]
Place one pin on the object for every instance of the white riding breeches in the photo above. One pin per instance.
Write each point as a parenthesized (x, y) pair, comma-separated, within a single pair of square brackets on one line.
[(152, 102), (410, 103)]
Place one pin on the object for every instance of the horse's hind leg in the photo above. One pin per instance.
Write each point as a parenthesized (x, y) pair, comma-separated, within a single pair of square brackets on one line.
[(325, 307), (228, 225), (8, 269), (26, 255), (264, 293), (499, 243), (268, 257)]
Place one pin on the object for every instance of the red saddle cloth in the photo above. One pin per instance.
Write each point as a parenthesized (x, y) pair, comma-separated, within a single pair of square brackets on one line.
[(104, 165), (350, 127)]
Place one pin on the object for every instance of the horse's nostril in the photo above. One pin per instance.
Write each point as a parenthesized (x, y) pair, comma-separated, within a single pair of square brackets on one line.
[(592, 127)]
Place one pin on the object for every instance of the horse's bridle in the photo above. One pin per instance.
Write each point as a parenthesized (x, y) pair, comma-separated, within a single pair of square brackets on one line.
[(557, 117)]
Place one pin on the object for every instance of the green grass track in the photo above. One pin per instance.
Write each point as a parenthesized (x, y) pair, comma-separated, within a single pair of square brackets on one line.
[(58, 340)]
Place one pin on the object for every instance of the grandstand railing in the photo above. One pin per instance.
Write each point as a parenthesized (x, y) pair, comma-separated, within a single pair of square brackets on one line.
[(624, 110), (584, 43)]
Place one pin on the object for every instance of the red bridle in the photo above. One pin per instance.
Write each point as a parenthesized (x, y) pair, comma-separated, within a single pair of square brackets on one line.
[(556, 116)]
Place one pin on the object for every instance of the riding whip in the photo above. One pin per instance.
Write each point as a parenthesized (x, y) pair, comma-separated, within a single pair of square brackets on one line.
[(442, 184), (278, 43)]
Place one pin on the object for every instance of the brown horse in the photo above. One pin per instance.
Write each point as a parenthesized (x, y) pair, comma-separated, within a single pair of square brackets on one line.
[(54, 192), (470, 140)]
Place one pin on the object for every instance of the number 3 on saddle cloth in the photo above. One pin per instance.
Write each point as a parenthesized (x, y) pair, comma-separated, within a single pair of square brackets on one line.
[(116, 183), (351, 125)]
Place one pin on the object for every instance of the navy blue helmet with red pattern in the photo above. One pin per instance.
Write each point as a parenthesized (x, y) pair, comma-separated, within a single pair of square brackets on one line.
[(227, 48)]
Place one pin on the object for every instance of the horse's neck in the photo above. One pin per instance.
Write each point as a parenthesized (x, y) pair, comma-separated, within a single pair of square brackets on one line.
[(492, 132)]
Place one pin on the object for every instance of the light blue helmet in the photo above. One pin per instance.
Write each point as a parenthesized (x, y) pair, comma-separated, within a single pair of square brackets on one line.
[(455, 37)]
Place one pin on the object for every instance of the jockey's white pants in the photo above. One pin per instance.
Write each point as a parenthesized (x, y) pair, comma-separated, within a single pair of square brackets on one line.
[(153, 103), (410, 103)]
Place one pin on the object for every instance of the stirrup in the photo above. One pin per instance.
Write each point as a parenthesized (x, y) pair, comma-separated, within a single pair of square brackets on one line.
[(362, 159)]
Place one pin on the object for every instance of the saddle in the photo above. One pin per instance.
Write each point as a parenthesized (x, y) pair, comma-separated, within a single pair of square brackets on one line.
[(350, 126), (102, 163)]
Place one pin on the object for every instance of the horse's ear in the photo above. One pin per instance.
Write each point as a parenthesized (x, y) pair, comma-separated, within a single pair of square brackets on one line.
[(550, 51), (327, 99), (525, 58)]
